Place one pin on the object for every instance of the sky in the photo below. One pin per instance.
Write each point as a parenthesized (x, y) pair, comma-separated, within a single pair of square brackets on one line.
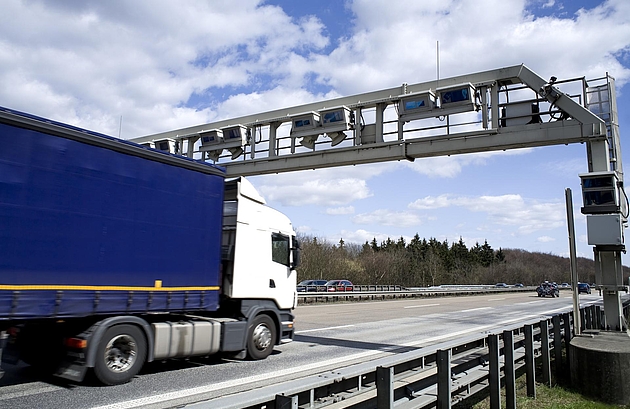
[(130, 69)]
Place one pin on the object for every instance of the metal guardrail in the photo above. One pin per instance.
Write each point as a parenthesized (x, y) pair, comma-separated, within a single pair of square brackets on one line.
[(372, 292), (353, 288), (436, 376)]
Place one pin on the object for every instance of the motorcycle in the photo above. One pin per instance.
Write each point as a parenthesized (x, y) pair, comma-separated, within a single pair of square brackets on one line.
[(547, 288)]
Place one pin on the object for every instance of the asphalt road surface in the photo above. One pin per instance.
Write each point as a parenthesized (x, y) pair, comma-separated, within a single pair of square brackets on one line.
[(328, 336)]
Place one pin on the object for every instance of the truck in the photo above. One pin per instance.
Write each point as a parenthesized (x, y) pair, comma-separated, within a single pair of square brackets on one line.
[(113, 255)]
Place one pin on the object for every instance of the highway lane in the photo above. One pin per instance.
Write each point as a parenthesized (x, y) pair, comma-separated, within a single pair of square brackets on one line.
[(328, 336)]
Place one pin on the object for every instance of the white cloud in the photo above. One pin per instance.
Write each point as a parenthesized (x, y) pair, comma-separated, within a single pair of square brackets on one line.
[(94, 61), (318, 192), (91, 62), (452, 166), (545, 239), (303, 229), (387, 218), (431, 202), (324, 187), (336, 211), (246, 103), (389, 47), (509, 210)]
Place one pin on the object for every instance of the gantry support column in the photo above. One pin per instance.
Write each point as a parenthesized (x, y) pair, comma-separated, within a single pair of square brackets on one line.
[(611, 275)]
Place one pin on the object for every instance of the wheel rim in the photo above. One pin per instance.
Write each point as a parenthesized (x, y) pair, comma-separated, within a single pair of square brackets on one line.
[(120, 353), (261, 337)]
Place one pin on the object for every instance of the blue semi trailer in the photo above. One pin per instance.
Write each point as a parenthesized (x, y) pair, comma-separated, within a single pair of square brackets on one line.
[(113, 255)]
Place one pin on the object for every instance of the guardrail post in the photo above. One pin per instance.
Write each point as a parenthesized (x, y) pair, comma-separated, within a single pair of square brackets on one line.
[(546, 359), (443, 358), (566, 318), (286, 402), (384, 387), (529, 361), (494, 374), (557, 344), (509, 369), (585, 318), (598, 317), (587, 313)]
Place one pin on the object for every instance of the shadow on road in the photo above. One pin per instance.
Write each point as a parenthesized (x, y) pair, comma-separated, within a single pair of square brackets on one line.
[(371, 346)]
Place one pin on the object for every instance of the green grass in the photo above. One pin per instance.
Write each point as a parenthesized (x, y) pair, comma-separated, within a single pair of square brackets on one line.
[(548, 398)]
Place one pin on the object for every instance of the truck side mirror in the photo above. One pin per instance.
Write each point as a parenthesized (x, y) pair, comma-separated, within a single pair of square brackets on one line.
[(296, 252)]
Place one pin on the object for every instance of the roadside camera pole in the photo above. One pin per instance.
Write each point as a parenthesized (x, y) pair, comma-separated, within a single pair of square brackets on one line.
[(574, 275)]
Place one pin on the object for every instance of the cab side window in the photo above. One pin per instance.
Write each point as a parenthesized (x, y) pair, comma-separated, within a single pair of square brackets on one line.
[(280, 248)]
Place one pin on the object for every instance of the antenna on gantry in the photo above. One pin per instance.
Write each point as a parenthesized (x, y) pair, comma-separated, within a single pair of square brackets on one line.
[(437, 57)]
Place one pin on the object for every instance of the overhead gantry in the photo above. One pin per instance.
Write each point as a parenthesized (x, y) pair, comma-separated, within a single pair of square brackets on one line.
[(500, 109), (493, 110)]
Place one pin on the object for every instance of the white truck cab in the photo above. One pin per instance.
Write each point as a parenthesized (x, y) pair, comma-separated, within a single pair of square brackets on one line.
[(260, 249)]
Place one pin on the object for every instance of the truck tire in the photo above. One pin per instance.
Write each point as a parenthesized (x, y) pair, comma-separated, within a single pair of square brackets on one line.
[(120, 355), (261, 337)]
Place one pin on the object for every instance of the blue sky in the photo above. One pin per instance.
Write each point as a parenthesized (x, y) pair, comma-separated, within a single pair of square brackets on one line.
[(163, 65)]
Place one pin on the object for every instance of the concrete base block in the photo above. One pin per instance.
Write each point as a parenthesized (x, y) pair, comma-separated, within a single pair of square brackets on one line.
[(600, 366)]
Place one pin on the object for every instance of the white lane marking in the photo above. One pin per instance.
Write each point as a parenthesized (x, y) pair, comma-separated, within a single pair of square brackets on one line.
[(26, 389), (475, 309), (530, 302), (496, 299), (420, 306), (323, 329), (267, 376)]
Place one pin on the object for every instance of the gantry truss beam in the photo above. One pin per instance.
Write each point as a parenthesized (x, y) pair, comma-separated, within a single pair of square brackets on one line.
[(488, 125), (414, 148)]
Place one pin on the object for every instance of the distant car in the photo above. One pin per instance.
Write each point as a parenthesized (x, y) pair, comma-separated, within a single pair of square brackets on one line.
[(565, 285), (311, 285), (547, 288), (339, 285), (501, 285), (584, 288), (518, 285)]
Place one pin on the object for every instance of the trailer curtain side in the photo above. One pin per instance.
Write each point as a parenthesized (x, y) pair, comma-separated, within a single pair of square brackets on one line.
[(90, 230)]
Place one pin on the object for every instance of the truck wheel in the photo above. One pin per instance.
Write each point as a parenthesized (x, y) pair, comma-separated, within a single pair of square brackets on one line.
[(120, 355), (261, 337)]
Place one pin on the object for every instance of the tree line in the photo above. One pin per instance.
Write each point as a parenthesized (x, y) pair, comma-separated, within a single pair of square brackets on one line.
[(423, 263)]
